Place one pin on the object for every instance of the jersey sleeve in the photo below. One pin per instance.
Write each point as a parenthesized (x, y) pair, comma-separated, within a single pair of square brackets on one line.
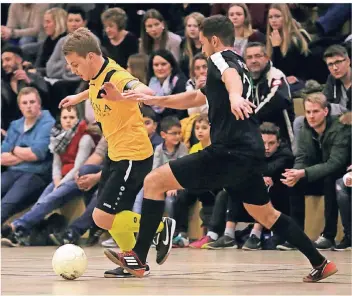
[(223, 61), (123, 80)]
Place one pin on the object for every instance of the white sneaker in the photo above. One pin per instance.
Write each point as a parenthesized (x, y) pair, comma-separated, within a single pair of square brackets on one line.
[(109, 243)]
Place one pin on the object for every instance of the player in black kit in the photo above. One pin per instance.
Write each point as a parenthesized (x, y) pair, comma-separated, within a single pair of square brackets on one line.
[(234, 161)]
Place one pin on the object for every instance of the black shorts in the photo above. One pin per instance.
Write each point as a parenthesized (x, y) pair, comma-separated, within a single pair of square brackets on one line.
[(120, 183), (239, 174)]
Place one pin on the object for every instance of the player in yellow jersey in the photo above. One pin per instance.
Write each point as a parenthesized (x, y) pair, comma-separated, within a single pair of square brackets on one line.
[(130, 153)]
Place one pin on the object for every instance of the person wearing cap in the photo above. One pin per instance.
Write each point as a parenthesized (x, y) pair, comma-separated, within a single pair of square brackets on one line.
[(14, 78)]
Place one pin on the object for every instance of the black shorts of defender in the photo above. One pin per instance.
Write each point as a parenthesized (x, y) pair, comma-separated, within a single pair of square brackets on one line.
[(120, 183), (208, 169)]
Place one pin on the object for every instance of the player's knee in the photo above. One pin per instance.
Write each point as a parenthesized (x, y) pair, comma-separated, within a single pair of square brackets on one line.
[(152, 182), (102, 219), (266, 215)]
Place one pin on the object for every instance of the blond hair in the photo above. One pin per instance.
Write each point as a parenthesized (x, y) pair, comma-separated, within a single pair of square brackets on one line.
[(82, 41), (27, 91), (59, 16), (199, 18), (116, 15), (316, 98), (291, 32), (247, 24)]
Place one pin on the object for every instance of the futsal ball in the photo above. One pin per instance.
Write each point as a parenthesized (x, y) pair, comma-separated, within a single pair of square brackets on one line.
[(69, 261)]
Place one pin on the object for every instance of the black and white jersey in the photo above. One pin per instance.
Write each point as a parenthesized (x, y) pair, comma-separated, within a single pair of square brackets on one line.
[(242, 136)]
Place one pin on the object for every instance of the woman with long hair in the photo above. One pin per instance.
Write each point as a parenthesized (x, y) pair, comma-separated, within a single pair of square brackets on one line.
[(191, 45), (287, 43), (155, 35), (166, 78), (240, 16)]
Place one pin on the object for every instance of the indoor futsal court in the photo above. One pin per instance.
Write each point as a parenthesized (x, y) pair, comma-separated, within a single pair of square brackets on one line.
[(28, 271)]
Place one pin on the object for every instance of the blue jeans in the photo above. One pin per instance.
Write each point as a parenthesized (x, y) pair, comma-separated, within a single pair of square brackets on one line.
[(18, 191), (52, 199), (343, 195)]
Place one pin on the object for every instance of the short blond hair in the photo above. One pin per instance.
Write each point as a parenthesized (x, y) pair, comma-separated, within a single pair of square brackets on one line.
[(82, 41), (316, 98), (27, 91), (59, 16), (116, 15)]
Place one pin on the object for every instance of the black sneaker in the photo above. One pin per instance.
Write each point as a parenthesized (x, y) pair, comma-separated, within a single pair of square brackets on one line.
[(8, 237), (323, 243), (66, 237), (344, 245), (286, 247), (164, 240), (122, 273), (224, 242), (94, 235), (252, 243), (128, 261)]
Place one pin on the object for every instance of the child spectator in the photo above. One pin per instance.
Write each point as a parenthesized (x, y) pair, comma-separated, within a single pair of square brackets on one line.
[(165, 78), (120, 43), (137, 65), (190, 44), (287, 45), (150, 123), (155, 35), (172, 148), (240, 16)]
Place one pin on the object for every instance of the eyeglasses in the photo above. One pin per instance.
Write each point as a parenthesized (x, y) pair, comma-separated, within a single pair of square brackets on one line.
[(174, 133), (336, 63)]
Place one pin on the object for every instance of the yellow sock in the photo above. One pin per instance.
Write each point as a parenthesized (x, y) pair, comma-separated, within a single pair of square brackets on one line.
[(125, 240)]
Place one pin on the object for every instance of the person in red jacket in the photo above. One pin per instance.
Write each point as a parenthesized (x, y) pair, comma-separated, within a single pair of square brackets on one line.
[(71, 145)]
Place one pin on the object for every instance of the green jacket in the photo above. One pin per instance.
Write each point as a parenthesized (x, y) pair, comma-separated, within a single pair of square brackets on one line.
[(335, 145)]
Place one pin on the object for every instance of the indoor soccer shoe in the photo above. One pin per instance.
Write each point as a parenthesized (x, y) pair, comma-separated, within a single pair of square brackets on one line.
[(318, 273), (128, 261), (122, 273), (164, 245)]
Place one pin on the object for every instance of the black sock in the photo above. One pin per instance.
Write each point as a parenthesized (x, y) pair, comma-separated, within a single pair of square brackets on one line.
[(287, 228), (152, 212)]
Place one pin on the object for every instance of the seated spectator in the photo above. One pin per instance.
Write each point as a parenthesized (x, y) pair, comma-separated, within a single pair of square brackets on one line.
[(240, 16), (120, 44), (87, 180), (15, 78), (171, 148), (278, 158), (190, 45), (150, 124), (57, 68), (71, 147), (25, 154), (24, 22), (165, 78), (137, 65), (272, 93), (55, 29), (322, 157), (198, 73), (338, 86), (287, 45), (155, 35)]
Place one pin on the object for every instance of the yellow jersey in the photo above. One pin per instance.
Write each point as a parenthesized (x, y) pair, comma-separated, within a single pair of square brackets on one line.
[(121, 121), (196, 147)]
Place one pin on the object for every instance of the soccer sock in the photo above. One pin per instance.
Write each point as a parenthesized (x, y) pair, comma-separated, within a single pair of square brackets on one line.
[(213, 235), (152, 212), (125, 240), (288, 229), (230, 232), (256, 232)]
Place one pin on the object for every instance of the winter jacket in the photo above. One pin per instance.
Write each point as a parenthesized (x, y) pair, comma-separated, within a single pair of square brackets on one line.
[(37, 138), (273, 100), (336, 93), (325, 155)]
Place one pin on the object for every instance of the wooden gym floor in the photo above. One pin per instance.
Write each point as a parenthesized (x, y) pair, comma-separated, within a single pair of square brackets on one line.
[(27, 271)]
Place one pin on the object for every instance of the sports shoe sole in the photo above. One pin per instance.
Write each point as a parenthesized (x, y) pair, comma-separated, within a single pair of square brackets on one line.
[(112, 258), (112, 276), (341, 250), (8, 243), (221, 248), (324, 277), (250, 249), (282, 248), (171, 234)]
